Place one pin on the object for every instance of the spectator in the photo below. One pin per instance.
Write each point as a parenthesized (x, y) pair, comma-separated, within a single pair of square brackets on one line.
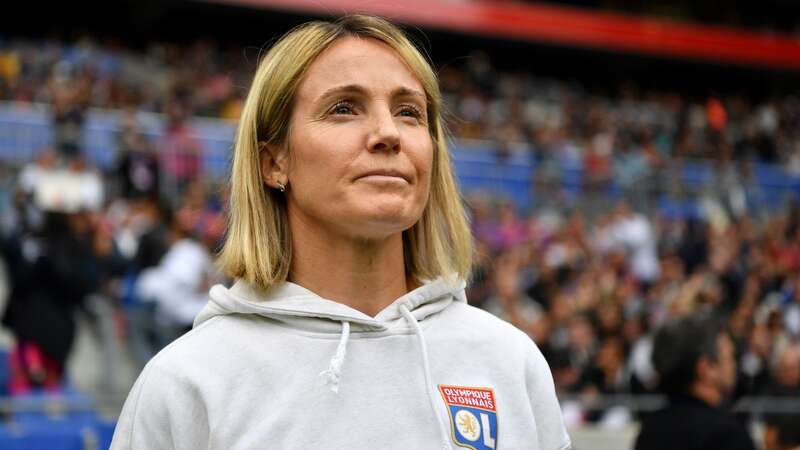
[(783, 392), (69, 92), (633, 232), (137, 165), (179, 150), (783, 433), (509, 302), (786, 373), (51, 274), (178, 286), (696, 364)]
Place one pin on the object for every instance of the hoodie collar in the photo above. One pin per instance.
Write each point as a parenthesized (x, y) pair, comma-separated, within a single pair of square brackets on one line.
[(290, 302)]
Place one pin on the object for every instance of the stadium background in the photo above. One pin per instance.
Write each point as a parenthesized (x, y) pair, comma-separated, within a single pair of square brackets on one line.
[(624, 163)]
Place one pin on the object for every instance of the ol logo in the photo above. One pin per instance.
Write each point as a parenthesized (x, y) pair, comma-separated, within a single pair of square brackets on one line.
[(473, 416)]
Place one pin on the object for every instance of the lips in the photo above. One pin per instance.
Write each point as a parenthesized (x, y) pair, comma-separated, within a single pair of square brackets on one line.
[(386, 173)]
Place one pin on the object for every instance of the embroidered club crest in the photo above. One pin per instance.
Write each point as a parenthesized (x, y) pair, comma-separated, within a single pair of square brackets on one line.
[(473, 416)]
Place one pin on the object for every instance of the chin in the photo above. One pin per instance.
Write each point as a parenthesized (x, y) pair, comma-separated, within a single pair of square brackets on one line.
[(383, 222), (383, 227)]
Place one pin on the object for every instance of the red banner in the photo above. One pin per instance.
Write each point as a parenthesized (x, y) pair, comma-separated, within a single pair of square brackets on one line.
[(570, 26)]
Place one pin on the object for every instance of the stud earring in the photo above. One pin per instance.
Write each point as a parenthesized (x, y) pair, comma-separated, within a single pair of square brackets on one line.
[(281, 187)]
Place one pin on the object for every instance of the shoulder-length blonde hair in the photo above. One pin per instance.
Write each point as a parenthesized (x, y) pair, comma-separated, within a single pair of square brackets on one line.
[(258, 244)]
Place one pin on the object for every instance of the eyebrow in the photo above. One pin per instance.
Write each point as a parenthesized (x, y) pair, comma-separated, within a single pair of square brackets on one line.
[(358, 89)]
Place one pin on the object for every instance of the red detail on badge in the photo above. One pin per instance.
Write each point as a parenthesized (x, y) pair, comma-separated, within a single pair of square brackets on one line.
[(473, 397)]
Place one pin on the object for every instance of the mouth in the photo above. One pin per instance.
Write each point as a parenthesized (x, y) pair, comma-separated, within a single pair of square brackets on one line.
[(385, 175)]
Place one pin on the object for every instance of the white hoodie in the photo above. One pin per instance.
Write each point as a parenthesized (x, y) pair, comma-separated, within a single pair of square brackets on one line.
[(292, 370)]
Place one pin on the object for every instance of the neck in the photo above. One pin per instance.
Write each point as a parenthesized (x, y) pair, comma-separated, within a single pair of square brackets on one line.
[(366, 275), (707, 394)]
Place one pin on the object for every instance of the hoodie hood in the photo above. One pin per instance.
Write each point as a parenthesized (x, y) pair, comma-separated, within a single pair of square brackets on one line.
[(299, 307)]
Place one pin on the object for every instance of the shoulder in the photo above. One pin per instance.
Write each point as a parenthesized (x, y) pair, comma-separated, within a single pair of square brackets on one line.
[(178, 364), (197, 358), (731, 434), (484, 329), (168, 403), (208, 347), (715, 428), (469, 318)]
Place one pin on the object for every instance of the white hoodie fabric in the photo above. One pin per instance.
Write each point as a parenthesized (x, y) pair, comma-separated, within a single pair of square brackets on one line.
[(291, 370)]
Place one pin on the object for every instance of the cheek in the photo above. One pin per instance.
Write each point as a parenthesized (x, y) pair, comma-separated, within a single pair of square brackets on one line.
[(423, 163), (427, 178), (316, 165)]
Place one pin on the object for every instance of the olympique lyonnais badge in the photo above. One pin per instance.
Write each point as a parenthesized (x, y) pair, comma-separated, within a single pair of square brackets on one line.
[(473, 416)]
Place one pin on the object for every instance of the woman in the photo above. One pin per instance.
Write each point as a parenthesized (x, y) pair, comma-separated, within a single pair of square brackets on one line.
[(348, 326)]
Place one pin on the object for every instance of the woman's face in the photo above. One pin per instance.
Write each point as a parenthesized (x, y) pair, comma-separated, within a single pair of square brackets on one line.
[(360, 153)]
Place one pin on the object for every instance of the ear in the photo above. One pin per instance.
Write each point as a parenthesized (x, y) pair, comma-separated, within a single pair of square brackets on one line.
[(273, 162), (704, 370)]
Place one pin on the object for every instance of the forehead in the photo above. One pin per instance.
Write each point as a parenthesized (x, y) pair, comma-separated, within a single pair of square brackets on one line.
[(361, 61)]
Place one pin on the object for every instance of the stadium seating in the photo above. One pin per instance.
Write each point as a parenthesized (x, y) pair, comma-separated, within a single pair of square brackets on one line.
[(25, 132)]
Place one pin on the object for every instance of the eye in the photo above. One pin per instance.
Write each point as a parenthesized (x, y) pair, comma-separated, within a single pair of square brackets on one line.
[(410, 111), (342, 108)]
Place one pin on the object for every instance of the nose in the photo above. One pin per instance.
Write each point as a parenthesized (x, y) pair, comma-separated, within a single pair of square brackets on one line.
[(384, 135)]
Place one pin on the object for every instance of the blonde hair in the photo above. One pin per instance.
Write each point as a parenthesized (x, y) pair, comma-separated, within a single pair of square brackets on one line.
[(258, 243)]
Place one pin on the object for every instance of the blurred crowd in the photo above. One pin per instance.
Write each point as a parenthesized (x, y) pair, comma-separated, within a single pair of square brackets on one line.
[(622, 125), (590, 293), (87, 73), (74, 240), (589, 288)]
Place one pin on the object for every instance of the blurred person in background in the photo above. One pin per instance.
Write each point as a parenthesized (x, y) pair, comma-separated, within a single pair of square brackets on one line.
[(59, 251), (344, 216), (510, 303), (52, 272), (786, 372), (25, 215), (606, 376), (69, 92), (180, 152), (137, 166), (177, 286), (791, 301), (781, 428), (633, 232), (783, 433), (696, 365)]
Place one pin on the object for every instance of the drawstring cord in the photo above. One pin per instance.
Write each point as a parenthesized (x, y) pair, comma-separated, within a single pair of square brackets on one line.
[(426, 367), (334, 372)]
